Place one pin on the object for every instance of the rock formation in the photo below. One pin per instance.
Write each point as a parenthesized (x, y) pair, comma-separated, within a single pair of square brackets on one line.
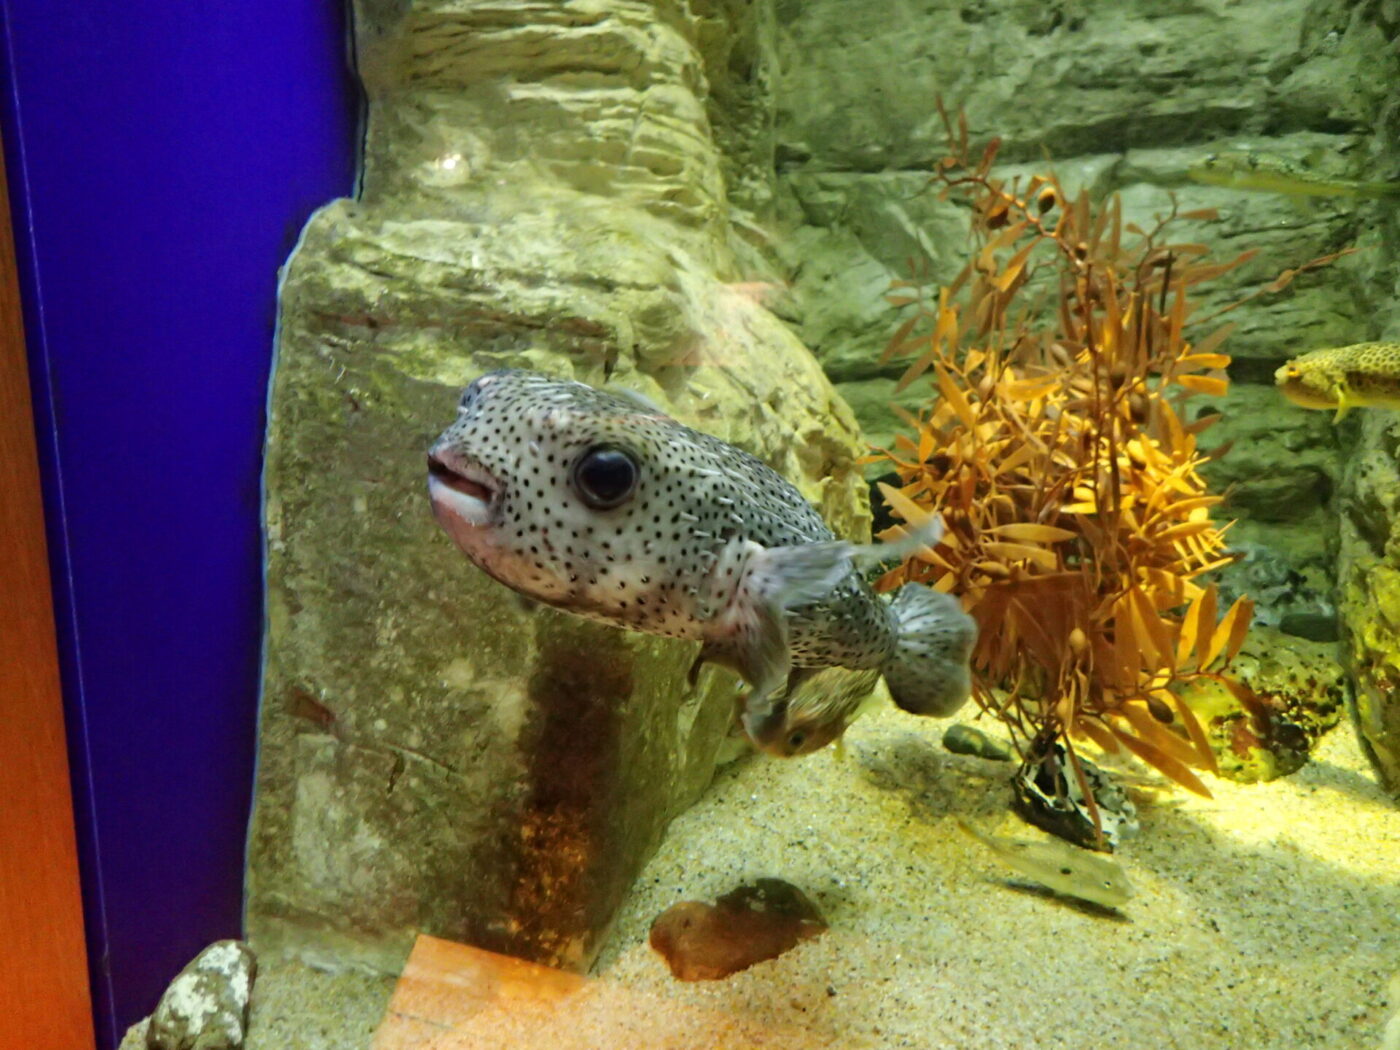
[(543, 186)]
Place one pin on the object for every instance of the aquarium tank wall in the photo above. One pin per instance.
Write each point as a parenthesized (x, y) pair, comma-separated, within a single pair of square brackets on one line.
[(161, 161), (1095, 302)]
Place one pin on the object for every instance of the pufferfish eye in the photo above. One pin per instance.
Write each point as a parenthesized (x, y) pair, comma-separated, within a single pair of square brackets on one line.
[(605, 476)]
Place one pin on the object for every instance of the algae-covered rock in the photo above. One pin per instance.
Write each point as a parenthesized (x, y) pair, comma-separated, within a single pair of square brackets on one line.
[(1118, 98), (1282, 463), (1122, 100), (541, 189), (1369, 590), (206, 1006), (1301, 688), (1279, 475)]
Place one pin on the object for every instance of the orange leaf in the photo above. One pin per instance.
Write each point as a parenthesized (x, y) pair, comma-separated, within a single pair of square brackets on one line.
[(1240, 628), (955, 398), (926, 444), (1210, 342), (918, 368), (1152, 632), (1229, 634), (1186, 528), (1161, 761), (1008, 236), (1188, 249), (1194, 730), (1204, 384), (1176, 436), (1196, 426), (896, 341), (893, 578), (1203, 361), (1016, 459), (1099, 735), (1029, 389), (1014, 266), (1200, 620), (1211, 566), (905, 416), (1162, 738), (1030, 532), (1177, 318), (947, 315), (902, 505), (1038, 556), (1181, 507)]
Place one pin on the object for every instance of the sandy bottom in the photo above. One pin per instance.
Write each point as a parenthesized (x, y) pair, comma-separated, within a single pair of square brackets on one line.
[(1267, 917)]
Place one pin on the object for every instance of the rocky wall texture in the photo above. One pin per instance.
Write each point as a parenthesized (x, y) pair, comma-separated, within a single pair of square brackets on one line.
[(547, 185), (1127, 98), (1369, 555), (1117, 97), (1369, 590)]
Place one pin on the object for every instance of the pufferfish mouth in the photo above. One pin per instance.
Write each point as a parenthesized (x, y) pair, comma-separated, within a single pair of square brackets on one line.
[(461, 489)]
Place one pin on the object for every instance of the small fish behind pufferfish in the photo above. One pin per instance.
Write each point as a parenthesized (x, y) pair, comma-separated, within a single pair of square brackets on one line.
[(1066, 869), (1244, 170), (1363, 375), (606, 508), (818, 709)]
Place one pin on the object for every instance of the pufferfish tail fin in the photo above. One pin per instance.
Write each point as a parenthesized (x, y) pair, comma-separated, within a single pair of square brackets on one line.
[(928, 674)]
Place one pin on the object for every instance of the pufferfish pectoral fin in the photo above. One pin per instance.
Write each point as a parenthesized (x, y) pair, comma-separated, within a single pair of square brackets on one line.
[(775, 580), (751, 621), (765, 660)]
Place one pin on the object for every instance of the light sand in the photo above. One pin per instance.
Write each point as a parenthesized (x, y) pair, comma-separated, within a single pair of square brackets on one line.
[(1267, 917)]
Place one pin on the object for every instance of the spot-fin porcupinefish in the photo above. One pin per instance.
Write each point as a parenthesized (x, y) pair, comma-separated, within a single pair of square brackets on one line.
[(1363, 375), (601, 506)]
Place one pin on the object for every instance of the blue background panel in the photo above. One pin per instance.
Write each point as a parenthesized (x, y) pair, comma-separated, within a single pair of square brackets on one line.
[(163, 156)]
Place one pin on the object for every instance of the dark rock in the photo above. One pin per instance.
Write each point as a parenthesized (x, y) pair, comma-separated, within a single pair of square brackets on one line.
[(966, 740), (1314, 626), (1045, 792)]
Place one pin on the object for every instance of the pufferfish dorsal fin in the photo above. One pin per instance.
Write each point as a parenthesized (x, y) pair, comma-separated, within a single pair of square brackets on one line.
[(788, 577)]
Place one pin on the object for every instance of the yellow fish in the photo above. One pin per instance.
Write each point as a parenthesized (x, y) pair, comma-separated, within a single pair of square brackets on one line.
[(1265, 174), (1363, 375), (1055, 864)]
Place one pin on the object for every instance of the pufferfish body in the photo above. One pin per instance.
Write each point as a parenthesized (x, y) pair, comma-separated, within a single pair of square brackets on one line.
[(604, 507), (1363, 375)]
